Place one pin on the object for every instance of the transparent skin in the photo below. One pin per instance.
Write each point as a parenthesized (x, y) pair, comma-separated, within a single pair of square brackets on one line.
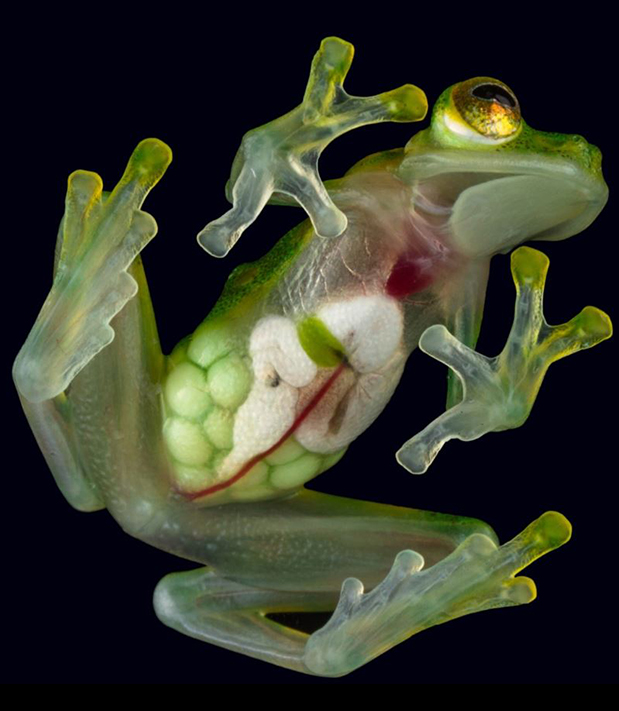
[(204, 453)]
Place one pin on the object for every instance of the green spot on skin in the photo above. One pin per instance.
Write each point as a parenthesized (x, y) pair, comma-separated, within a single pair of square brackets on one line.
[(186, 391), (218, 427), (319, 343), (186, 441), (229, 381), (240, 295), (292, 475), (385, 160)]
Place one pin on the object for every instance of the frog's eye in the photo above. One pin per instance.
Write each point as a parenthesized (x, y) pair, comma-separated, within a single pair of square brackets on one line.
[(484, 110)]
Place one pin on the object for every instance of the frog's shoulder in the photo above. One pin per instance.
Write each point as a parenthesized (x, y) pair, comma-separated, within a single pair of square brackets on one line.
[(248, 283)]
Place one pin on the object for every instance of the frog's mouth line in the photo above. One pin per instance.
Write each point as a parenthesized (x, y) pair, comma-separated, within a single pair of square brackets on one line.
[(485, 212), (259, 457), (444, 178)]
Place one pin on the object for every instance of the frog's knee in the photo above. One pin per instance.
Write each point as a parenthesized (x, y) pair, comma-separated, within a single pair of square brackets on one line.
[(29, 378), (164, 600), (476, 526), (138, 515)]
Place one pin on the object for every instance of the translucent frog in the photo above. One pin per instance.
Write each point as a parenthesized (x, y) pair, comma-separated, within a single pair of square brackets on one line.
[(205, 453)]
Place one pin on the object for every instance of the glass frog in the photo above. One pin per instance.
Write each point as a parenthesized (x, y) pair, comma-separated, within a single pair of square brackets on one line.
[(205, 453)]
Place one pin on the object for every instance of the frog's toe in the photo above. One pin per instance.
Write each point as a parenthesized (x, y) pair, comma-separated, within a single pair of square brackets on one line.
[(465, 422), (250, 193), (99, 239), (477, 576)]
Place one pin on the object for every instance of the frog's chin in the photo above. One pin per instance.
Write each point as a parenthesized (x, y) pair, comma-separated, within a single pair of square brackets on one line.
[(494, 205)]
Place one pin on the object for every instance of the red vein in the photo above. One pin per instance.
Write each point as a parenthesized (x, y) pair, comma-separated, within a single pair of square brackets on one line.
[(254, 460)]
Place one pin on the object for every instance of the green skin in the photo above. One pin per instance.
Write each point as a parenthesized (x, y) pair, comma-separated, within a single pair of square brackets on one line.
[(270, 545)]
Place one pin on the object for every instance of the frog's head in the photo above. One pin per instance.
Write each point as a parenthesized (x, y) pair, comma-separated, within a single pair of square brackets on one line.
[(497, 181)]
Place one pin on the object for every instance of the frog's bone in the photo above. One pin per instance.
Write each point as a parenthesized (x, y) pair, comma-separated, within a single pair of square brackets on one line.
[(499, 392), (282, 156)]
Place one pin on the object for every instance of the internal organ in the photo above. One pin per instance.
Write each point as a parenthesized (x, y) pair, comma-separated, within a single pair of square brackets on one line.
[(281, 368), (286, 380), (410, 274), (370, 328)]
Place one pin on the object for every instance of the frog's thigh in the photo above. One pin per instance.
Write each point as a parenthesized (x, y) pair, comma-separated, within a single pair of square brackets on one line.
[(310, 541), (200, 604), (476, 576)]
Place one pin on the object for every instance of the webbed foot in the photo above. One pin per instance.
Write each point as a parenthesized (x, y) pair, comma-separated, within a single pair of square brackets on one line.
[(476, 576), (282, 156), (499, 392), (101, 236)]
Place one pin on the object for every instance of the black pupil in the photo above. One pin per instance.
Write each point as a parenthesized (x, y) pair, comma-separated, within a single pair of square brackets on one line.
[(494, 92)]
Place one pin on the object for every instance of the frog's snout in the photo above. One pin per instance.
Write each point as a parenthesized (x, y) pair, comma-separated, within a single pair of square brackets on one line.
[(577, 140), (595, 157), (584, 152)]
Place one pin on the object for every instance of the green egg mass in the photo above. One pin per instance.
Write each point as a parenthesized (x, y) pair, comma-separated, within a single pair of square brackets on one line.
[(206, 384)]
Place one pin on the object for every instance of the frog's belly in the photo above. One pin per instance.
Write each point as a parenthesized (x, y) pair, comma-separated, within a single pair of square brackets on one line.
[(298, 412)]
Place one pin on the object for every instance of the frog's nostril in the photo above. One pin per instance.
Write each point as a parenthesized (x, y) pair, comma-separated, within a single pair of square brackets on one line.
[(595, 158), (583, 151), (578, 141)]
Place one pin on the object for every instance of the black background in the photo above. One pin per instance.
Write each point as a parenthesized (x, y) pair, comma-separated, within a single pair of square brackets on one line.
[(82, 93)]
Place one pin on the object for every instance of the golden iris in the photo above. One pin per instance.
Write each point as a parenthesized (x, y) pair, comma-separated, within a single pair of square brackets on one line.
[(488, 106)]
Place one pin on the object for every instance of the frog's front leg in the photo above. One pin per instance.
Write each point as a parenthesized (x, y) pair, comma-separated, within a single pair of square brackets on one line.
[(499, 392), (281, 157), (203, 605)]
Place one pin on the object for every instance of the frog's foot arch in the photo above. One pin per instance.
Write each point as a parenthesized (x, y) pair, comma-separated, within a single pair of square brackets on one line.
[(499, 392), (282, 156), (100, 236), (476, 576)]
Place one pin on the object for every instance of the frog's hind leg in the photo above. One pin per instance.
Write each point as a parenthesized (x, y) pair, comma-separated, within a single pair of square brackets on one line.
[(476, 576), (201, 604), (67, 373)]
